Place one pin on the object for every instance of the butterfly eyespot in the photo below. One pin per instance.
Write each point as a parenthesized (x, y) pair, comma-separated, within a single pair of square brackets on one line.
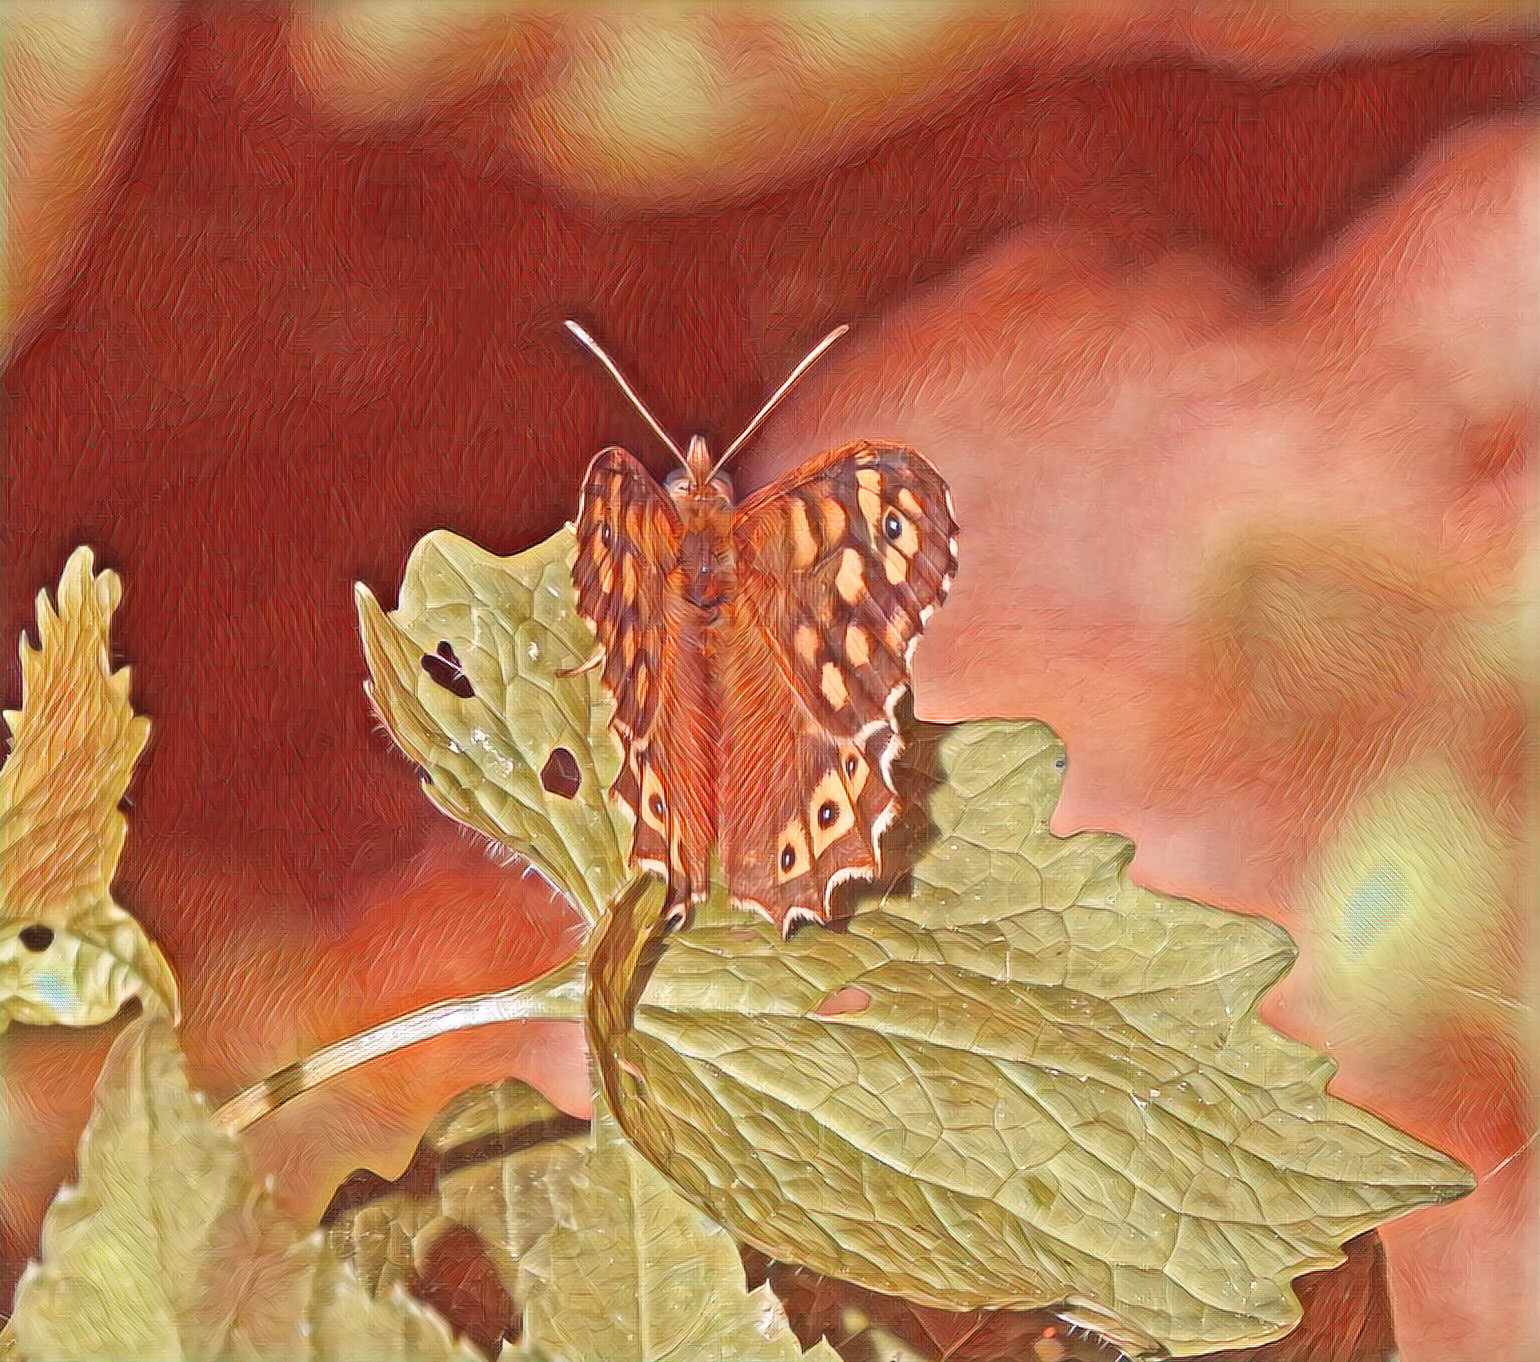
[(851, 761), (658, 807), (892, 526), (828, 811), (788, 857), (605, 533)]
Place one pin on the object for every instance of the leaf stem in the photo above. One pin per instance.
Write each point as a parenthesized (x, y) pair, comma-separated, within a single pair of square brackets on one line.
[(557, 996)]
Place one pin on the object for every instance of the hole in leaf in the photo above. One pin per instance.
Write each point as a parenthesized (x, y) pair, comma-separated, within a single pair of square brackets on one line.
[(445, 670), (844, 1000), (560, 775), (460, 1281), (36, 937)]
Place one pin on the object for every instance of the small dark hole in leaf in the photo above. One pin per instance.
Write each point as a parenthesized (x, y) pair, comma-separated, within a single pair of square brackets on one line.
[(36, 937), (445, 669), (560, 775)]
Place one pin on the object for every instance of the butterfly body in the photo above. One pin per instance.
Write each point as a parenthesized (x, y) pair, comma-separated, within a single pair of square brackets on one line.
[(755, 654)]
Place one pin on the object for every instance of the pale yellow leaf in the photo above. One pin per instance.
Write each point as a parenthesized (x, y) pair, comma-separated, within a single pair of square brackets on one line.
[(68, 953), (516, 635), (165, 1248), (632, 1272)]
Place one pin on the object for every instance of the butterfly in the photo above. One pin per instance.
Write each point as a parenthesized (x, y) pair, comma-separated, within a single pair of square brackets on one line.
[(755, 655)]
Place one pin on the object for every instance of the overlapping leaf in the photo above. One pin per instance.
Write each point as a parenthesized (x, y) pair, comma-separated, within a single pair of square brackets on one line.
[(1016, 1080), (68, 953), (498, 1158), (492, 756), (633, 1271), (165, 1249)]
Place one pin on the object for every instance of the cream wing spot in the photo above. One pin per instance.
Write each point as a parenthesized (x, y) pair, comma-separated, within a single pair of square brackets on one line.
[(654, 810), (871, 510), (806, 643), (833, 686), (836, 524), (858, 650), (908, 503), (676, 855), (855, 768), (791, 857), (850, 581), (804, 543), (895, 566)]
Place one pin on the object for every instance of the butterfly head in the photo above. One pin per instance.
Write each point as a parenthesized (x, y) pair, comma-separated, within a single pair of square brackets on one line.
[(699, 479)]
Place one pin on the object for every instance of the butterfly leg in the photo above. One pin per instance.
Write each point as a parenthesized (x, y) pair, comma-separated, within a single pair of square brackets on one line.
[(593, 660)]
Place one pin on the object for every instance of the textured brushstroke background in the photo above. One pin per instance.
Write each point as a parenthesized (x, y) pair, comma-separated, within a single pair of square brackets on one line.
[(1223, 326)]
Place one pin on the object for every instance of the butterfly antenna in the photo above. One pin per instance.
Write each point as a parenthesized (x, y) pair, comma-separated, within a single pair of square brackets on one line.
[(626, 388), (777, 395)]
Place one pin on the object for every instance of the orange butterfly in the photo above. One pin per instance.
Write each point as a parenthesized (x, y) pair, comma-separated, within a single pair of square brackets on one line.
[(756, 654)]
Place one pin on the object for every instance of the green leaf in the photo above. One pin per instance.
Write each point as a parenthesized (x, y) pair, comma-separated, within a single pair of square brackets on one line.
[(633, 1271), (165, 1249), (494, 1161), (1017, 1080), (513, 627), (68, 954)]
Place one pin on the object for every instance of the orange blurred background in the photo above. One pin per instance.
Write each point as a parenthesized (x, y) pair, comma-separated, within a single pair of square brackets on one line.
[(1221, 322)]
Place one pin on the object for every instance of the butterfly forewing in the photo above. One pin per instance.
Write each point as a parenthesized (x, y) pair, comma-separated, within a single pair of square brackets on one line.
[(840, 566), (655, 667)]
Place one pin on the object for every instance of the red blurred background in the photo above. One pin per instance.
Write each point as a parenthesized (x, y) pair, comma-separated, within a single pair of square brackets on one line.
[(295, 339)]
